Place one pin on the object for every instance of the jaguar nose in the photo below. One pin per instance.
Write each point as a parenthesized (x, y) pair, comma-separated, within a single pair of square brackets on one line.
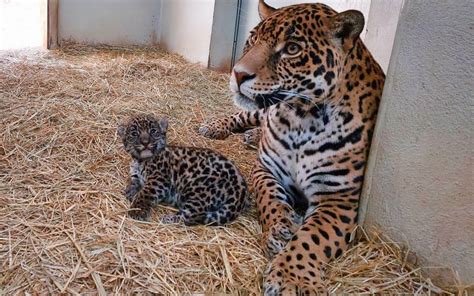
[(144, 138), (242, 76)]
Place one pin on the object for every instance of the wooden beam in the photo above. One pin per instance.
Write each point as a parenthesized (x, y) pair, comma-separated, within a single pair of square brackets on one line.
[(53, 22), (44, 22)]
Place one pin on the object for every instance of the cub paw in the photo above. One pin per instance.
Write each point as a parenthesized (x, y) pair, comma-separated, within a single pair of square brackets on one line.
[(139, 214), (130, 192), (213, 130), (171, 219)]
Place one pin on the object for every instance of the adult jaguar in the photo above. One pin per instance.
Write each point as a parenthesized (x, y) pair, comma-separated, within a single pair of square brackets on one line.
[(314, 89)]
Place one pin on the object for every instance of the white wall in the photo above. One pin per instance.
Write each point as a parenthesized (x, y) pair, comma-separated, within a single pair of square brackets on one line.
[(222, 39), (114, 22), (22, 23), (186, 28), (381, 28), (179, 26), (419, 185), (200, 30)]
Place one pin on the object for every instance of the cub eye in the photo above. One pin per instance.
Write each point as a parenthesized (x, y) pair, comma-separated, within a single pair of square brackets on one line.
[(153, 132), (134, 134), (292, 49)]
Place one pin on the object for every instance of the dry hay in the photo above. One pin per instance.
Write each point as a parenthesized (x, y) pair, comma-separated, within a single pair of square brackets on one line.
[(63, 225)]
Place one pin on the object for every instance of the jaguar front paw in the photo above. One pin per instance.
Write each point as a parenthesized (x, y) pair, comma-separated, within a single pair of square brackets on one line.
[(252, 137), (214, 130), (275, 239), (139, 214), (283, 276)]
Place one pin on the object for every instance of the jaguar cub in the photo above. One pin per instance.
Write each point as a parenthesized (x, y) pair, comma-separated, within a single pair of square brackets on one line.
[(206, 187)]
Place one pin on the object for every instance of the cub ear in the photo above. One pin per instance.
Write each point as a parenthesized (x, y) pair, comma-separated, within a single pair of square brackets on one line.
[(121, 130), (347, 24), (264, 10), (164, 124)]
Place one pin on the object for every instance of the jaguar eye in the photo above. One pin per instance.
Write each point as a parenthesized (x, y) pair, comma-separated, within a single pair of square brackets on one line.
[(153, 131), (134, 134), (292, 48), (252, 39)]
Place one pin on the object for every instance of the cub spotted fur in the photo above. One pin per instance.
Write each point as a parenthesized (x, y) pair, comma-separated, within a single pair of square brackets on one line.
[(206, 187)]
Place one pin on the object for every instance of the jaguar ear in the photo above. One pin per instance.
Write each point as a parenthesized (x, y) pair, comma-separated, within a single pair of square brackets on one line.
[(121, 131), (347, 24), (164, 124), (264, 10)]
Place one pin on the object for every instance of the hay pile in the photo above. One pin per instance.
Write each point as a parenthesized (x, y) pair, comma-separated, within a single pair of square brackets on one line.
[(63, 225)]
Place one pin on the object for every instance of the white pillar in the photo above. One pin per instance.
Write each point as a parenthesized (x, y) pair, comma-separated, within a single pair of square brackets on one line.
[(419, 183)]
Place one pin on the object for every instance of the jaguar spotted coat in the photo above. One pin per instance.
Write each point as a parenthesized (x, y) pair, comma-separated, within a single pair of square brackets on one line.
[(206, 187), (313, 87)]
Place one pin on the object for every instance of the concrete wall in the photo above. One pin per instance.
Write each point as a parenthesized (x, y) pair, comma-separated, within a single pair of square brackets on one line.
[(200, 30), (222, 39), (419, 183), (114, 22), (186, 28), (180, 26), (381, 28)]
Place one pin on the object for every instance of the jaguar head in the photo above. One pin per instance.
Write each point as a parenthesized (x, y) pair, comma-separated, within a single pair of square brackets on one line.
[(143, 136), (297, 50)]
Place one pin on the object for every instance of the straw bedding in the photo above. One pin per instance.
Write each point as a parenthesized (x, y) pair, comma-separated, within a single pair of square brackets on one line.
[(63, 224)]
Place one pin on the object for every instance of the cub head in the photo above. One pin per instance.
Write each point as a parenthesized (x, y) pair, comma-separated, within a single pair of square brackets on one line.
[(143, 136), (298, 50)]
